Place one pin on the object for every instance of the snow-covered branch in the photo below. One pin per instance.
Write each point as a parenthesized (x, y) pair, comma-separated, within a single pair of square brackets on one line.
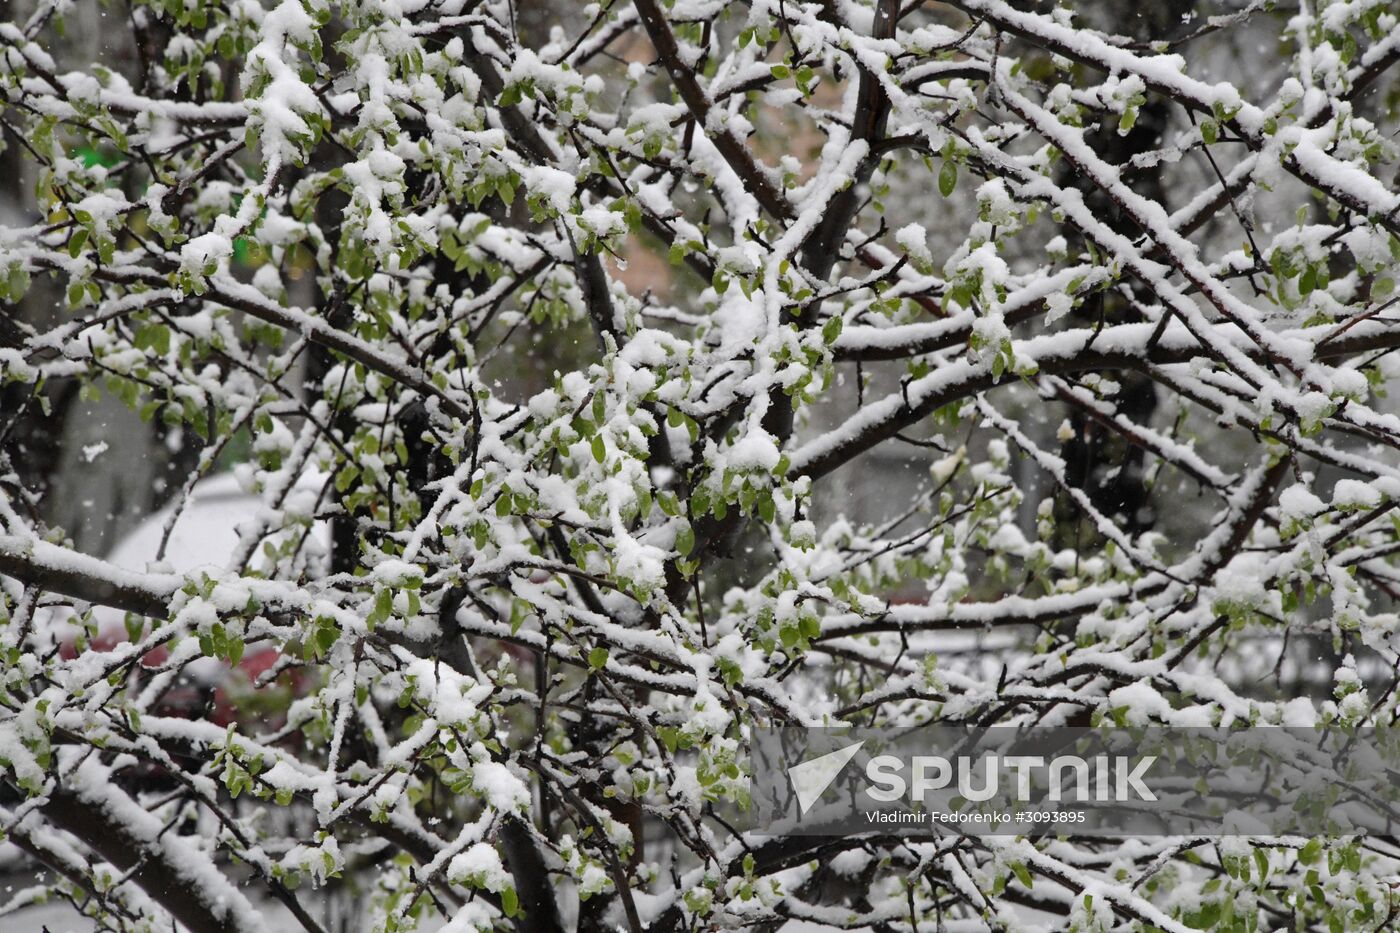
[(538, 399)]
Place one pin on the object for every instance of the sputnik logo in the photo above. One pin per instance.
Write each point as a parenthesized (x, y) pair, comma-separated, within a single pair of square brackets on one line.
[(811, 778)]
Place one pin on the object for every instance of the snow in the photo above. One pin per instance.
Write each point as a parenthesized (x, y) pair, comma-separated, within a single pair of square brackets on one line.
[(408, 263), (914, 239), (555, 186), (205, 533), (755, 451), (1141, 704), (502, 789), (1351, 493), (1299, 502), (482, 865)]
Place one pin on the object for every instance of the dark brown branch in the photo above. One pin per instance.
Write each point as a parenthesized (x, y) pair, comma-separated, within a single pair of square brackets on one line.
[(1081, 54), (592, 279), (750, 172), (148, 864), (872, 112), (1080, 357), (99, 583)]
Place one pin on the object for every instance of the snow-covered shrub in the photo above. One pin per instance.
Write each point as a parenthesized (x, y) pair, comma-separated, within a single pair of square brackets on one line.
[(583, 319)]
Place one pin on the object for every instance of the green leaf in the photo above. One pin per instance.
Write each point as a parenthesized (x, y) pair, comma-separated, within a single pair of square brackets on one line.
[(832, 329), (947, 177), (597, 658), (326, 636), (17, 282), (1308, 281), (600, 450), (766, 509), (383, 608)]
